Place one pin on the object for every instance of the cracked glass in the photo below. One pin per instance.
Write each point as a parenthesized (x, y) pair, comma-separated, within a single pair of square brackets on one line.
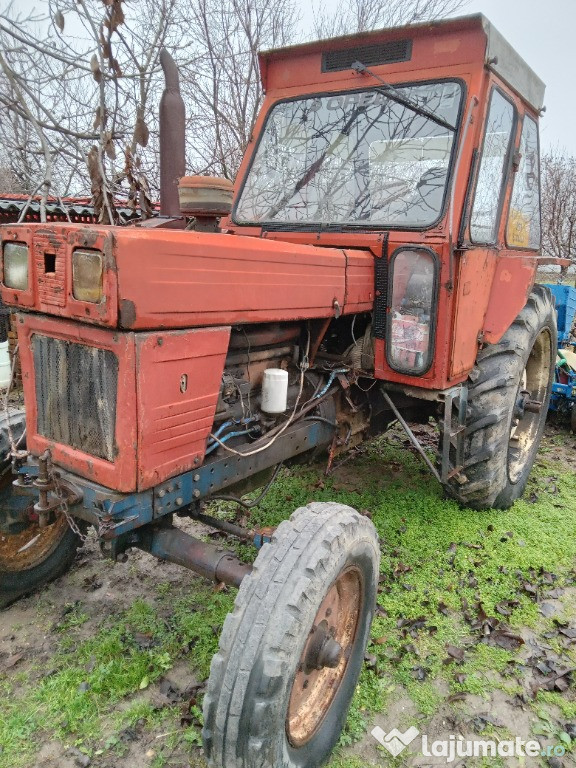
[(378, 157)]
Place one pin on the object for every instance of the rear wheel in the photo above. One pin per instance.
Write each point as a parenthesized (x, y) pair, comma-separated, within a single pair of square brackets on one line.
[(30, 556), (292, 650), (508, 395)]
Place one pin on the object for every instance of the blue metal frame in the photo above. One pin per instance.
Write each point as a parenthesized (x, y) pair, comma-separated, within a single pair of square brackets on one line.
[(116, 514), (565, 302), (563, 398)]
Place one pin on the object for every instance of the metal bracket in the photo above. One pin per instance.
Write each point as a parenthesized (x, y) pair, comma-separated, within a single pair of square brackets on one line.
[(452, 434), (411, 436), (453, 431)]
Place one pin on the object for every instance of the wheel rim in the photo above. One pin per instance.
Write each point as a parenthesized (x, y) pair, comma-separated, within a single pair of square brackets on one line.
[(325, 657), (24, 546), (530, 406)]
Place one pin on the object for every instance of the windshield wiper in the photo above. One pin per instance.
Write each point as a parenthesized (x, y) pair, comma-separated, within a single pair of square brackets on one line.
[(392, 93), (311, 172)]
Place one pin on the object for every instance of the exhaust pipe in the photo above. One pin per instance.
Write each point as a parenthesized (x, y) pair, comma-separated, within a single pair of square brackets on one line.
[(172, 137)]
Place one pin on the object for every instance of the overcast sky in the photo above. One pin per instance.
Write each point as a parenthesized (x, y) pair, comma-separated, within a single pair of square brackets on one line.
[(544, 34)]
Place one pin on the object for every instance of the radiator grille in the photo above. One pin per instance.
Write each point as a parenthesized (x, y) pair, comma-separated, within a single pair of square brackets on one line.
[(76, 388), (369, 55), (381, 292)]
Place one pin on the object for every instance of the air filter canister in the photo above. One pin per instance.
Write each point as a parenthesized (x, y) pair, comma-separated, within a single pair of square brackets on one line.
[(274, 390)]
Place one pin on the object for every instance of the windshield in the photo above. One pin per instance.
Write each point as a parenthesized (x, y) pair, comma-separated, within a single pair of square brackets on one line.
[(358, 158)]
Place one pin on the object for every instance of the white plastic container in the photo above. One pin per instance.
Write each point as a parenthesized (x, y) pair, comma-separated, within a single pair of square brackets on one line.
[(274, 390), (4, 365)]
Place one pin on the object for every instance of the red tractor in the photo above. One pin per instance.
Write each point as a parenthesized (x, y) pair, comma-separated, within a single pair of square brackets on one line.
[(377, 264)]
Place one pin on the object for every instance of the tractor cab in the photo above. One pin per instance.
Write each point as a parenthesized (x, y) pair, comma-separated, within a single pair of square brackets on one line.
[(419, 144)]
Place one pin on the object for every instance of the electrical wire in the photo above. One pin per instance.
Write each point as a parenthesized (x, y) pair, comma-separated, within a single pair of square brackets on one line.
[(333, 375), (304, 365), (352, 329), (258, 499), (248, 373), (229, 436)]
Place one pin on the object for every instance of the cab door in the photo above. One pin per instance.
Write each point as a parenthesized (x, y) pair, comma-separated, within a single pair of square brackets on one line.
[(496, 263)]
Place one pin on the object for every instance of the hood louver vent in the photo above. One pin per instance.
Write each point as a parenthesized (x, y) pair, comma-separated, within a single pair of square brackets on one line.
[(369, 55)]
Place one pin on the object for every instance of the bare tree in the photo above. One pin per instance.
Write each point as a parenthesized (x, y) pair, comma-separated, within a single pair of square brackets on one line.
[(351, 16), (559, 205), (8, 182), (222, 86), (80, 83), (76, 82)]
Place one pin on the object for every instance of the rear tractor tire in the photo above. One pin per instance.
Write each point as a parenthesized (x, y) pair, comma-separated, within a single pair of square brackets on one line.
[(508, 396), (292, 649)]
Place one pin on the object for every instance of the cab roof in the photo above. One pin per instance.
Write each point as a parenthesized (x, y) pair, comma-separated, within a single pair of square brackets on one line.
[(398, 50)]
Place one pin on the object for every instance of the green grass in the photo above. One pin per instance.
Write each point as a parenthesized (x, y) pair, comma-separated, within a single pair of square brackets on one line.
[(436, 559), (88, 677)]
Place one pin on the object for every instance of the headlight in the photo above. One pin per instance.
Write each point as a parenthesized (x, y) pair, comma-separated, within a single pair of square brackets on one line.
[(412, 310), (87, 275), (16, 266)]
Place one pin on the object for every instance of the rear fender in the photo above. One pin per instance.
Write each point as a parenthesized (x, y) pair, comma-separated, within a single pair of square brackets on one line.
[(513, 280)]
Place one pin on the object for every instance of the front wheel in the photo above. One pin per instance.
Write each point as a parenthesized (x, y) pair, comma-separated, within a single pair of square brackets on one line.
[(508, 397), (30, 556), (292, 649)]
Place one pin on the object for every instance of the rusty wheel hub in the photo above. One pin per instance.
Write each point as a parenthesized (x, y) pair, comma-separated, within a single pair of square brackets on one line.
[(325, 657), (527, 413), (25, 544)]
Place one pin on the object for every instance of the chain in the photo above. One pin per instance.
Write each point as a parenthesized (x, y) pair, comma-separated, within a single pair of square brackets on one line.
[(64, 506)]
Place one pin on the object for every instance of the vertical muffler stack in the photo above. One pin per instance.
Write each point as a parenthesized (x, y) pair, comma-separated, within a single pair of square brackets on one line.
[(172, 137)]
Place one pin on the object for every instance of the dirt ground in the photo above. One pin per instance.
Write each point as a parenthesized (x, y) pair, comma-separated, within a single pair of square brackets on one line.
[(29, 639), (102, 588)]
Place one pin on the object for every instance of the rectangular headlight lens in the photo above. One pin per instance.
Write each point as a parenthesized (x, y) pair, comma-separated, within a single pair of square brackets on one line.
[(87, 273), (412, 310), (16, 266)]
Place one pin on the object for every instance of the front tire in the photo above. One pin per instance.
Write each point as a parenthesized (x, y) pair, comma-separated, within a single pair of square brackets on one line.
[(292, 649), (503, 431), (30, 556)]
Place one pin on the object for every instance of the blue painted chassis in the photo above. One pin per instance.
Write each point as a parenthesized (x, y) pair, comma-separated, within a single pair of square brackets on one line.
[(116, 515), (563, 395)]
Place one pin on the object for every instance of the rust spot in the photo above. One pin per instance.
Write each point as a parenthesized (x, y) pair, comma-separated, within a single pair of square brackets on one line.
[(89, 238), (32, 546), (127, 313), (108, 251)]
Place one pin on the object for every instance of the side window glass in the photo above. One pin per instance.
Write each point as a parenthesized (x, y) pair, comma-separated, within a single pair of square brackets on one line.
[(523, 229), (491, 175)]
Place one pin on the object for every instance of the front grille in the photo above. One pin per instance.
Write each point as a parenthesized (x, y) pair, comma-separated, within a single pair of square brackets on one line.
[(76, 390), (369, 55)]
